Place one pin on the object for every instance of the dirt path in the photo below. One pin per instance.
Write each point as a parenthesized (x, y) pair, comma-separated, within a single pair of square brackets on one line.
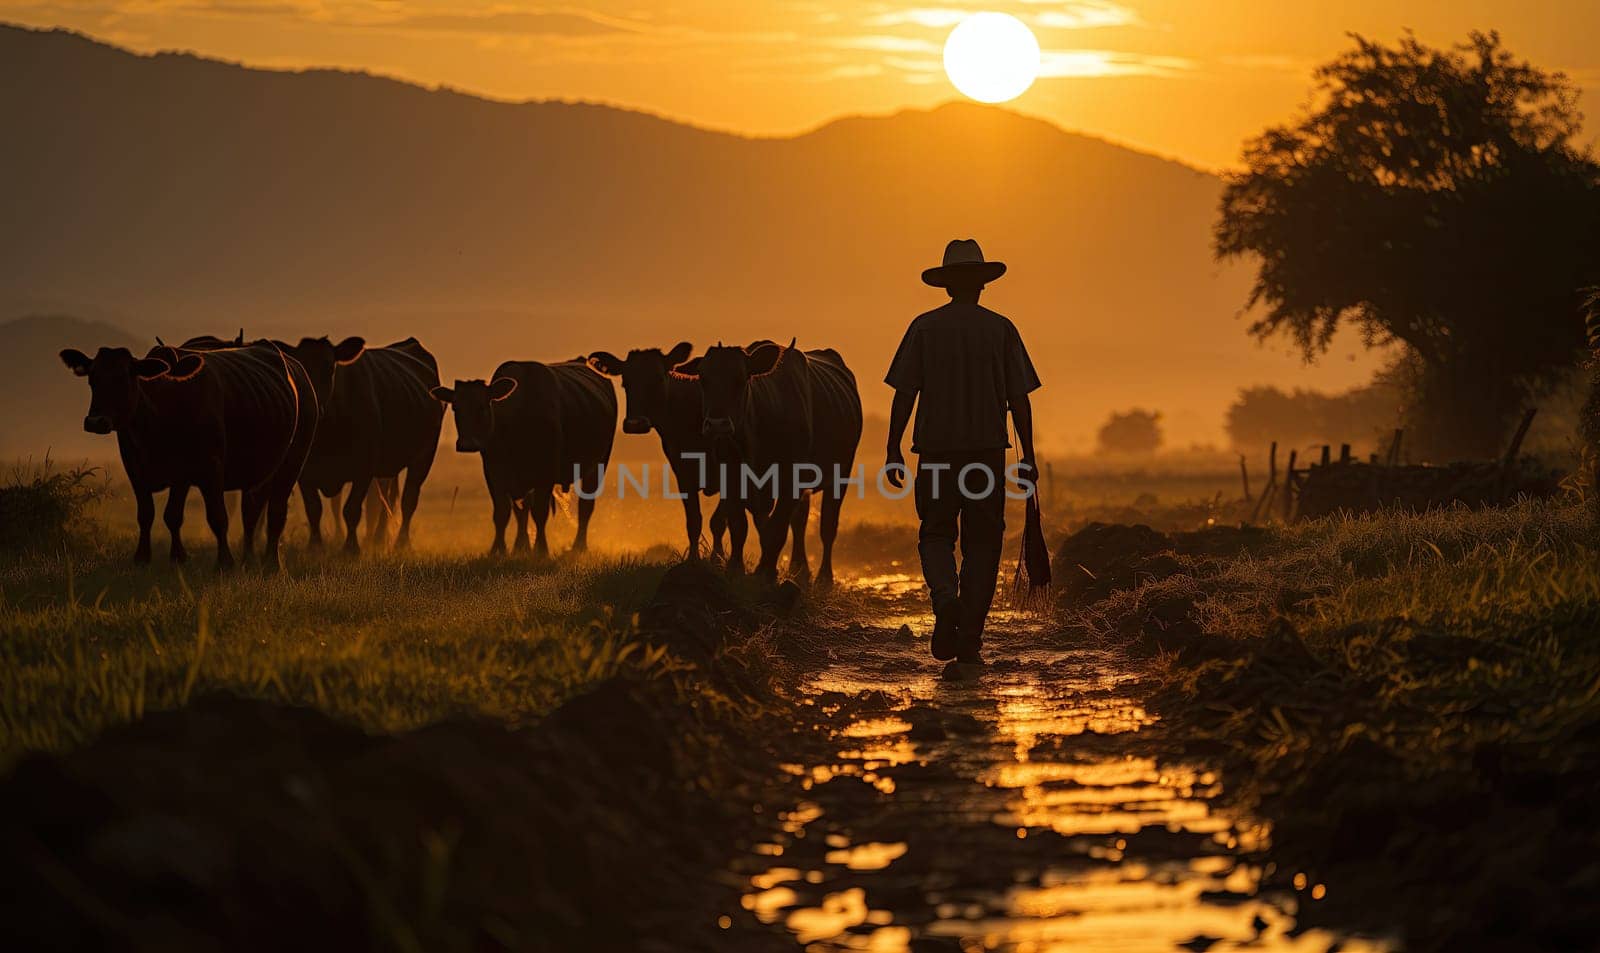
[(1037, 808)]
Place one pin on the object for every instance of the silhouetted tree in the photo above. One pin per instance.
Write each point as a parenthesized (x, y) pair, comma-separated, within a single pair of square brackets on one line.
[(1365, 416), (1434, 197), (1135, 431)]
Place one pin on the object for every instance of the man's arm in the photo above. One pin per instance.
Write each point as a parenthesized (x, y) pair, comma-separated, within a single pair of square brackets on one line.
[(899, 417), (1022, 417)]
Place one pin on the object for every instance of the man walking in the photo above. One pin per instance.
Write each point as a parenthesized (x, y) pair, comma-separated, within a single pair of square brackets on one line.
[(961, 367)]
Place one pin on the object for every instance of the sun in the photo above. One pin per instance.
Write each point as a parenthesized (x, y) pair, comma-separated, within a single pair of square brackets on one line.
[(992, 57)]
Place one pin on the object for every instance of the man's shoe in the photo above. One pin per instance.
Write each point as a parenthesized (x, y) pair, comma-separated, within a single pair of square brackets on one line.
[(961, 669), (946, 633)]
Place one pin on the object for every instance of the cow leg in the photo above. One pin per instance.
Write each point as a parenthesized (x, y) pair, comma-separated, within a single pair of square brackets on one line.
[(832, 502), (173, 517), (416, 474), (799, 563), (383, 497), (692, 522), (502, 516), (312, 500), (719, 526), (277, 516), (738, 530), (774, 528), (539, 505), (585, 512), (145, 506), (520, 508), (353, 503), (251, 503), (217, 517)]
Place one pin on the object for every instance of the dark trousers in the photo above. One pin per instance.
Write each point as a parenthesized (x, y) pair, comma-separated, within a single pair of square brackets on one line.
[(976, 516)]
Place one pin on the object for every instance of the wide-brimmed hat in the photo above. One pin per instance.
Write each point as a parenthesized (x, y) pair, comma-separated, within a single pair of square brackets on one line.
[(963, 265)]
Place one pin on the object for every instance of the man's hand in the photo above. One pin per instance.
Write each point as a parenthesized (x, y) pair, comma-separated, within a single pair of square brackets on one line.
[(894, 465), (1028, 473)]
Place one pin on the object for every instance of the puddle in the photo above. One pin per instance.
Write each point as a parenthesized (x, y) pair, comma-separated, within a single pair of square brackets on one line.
[(1027, 811)]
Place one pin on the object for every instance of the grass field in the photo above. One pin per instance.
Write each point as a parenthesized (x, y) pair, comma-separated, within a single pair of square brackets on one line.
[(389, 641), (1406, 697), (1413, 699), (388, 644), (435, 750)]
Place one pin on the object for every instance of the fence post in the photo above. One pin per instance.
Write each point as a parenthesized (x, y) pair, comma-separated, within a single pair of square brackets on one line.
[(1289, 487)]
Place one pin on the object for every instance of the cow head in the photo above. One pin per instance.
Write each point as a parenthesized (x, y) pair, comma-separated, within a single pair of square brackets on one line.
[(644, 382), (474, 402), (322, 359), (724, 374), (114, 375)]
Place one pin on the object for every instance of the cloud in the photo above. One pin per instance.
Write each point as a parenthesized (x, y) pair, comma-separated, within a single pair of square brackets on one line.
[(851, 71), (1271, 62), (1085, 15), (932, 17), (552, 24), (889, 44), (1080, 64), (918, 67)]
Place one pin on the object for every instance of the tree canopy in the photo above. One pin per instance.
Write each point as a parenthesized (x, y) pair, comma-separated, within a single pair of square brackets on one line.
[(1134, 432), (1436, 198)]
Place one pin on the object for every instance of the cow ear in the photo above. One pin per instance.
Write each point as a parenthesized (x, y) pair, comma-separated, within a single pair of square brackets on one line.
[(443, 394), (187, 367), (679, 354), (346, 351), (150, 368), (764, 359), (606, 363), (77, 362), (688, 370), (502, 388)]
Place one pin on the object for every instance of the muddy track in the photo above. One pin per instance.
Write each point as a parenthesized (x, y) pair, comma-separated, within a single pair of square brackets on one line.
[(1037, 807)]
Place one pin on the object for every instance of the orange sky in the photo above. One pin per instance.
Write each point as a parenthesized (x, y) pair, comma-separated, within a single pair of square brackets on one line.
[(1183, 78)]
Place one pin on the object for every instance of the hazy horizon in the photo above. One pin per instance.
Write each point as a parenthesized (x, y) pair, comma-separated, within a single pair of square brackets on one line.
[(493, 231)]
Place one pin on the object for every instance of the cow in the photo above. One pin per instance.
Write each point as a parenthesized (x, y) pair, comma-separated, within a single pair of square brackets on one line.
[(671, 407), (537, 427), (234, 418), (773, 409), (378, 418)]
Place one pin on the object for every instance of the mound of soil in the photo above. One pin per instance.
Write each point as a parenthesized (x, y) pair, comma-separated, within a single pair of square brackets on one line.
[(693, 611), (1103, 558)]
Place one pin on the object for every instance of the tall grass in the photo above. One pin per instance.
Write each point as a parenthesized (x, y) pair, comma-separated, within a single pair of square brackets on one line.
[(387, 643), (1401, 695), (41, 503)]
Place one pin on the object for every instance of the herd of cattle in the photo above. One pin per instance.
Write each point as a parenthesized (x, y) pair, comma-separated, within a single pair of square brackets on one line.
[(265, 417)]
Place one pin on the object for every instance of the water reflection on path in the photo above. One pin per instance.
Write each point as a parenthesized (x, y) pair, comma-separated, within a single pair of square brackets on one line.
[(1026, 811)]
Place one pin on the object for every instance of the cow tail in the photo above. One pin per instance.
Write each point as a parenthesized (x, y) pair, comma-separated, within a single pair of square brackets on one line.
[(294, 395)]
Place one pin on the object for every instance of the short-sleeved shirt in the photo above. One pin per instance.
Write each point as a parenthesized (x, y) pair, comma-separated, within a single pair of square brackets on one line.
[(968, 365)]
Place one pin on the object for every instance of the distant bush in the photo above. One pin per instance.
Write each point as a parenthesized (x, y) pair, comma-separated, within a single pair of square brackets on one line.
[(1363, 416), (1134, 431), (39, 506)]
